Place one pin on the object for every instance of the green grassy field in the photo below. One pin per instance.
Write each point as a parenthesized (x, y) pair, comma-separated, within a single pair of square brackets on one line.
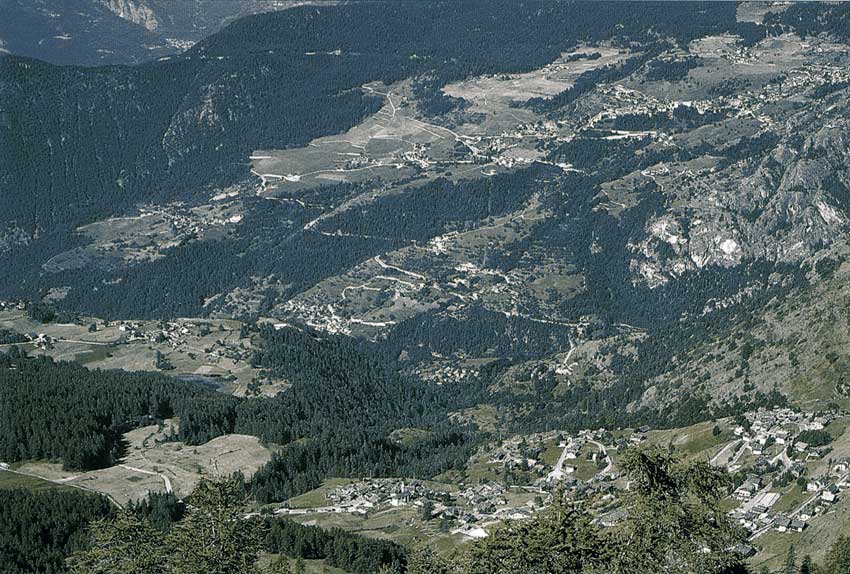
[(318, 497), (585, 469), (792, 497), (14, 480), (815, 540), (696, 442), (400, 525), (310, 566), (551, 452)]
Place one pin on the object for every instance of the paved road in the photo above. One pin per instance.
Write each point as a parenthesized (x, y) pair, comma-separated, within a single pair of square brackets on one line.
[(62, 482), (607, 470), (558, 472), (722, 451), (164, 478)]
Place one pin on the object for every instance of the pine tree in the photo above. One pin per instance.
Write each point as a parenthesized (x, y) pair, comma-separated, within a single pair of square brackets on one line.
[(838, 558), (424, 561), (806, 566), (427, 510), (214, 538), (125, 545), (280, 565), (672, 521), (790, 566)]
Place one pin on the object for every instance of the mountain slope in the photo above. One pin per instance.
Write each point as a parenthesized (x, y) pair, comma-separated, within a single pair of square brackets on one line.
[(588, 207), (106, 32), (75, 32), (84, 144)]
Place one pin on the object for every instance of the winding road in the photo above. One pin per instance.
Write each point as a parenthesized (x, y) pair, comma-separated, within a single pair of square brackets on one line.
[(162, 477)]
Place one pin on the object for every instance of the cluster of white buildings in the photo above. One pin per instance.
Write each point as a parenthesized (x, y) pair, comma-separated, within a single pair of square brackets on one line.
[(776, 432), (362, 497), (177, 334)]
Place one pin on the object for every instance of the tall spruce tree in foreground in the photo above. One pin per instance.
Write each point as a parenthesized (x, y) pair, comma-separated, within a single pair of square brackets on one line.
[(213, 538), (560, 540), (674, 523), (125, 544)]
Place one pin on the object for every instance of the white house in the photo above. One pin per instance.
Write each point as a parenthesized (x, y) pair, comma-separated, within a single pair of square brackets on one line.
[(828, 496)]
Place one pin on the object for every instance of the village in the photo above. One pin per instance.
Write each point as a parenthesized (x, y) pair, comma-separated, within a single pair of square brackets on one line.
[(217, 352), (177, 335), (783, 461), (771, 452), (790, 468), (763, 451)]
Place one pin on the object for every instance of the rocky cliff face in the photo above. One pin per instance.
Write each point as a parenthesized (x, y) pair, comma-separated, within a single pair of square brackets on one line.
[(100, 32), (135, 11), (183, 23), (782, 203)]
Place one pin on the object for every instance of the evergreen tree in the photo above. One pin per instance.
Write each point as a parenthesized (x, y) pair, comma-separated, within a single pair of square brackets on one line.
[(214, 538), (562, 539), (790, 566), (427, 511), (424, 561), (279, 565), (123, 545), (837, 560), (162, 509), (673, 523), (38, 529)]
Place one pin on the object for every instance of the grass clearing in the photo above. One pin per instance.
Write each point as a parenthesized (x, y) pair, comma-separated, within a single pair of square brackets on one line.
[(152, 463), (792, 497), (696, 442), (815, 540), (400, 525), (10, 480), (318, 497), (208, 348)]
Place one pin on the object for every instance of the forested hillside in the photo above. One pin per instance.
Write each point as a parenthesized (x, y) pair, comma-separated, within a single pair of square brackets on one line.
[(63, 411), (110, 32), (82, 144), (340, 416), (75, 32), (39, 529), (340, 412)]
